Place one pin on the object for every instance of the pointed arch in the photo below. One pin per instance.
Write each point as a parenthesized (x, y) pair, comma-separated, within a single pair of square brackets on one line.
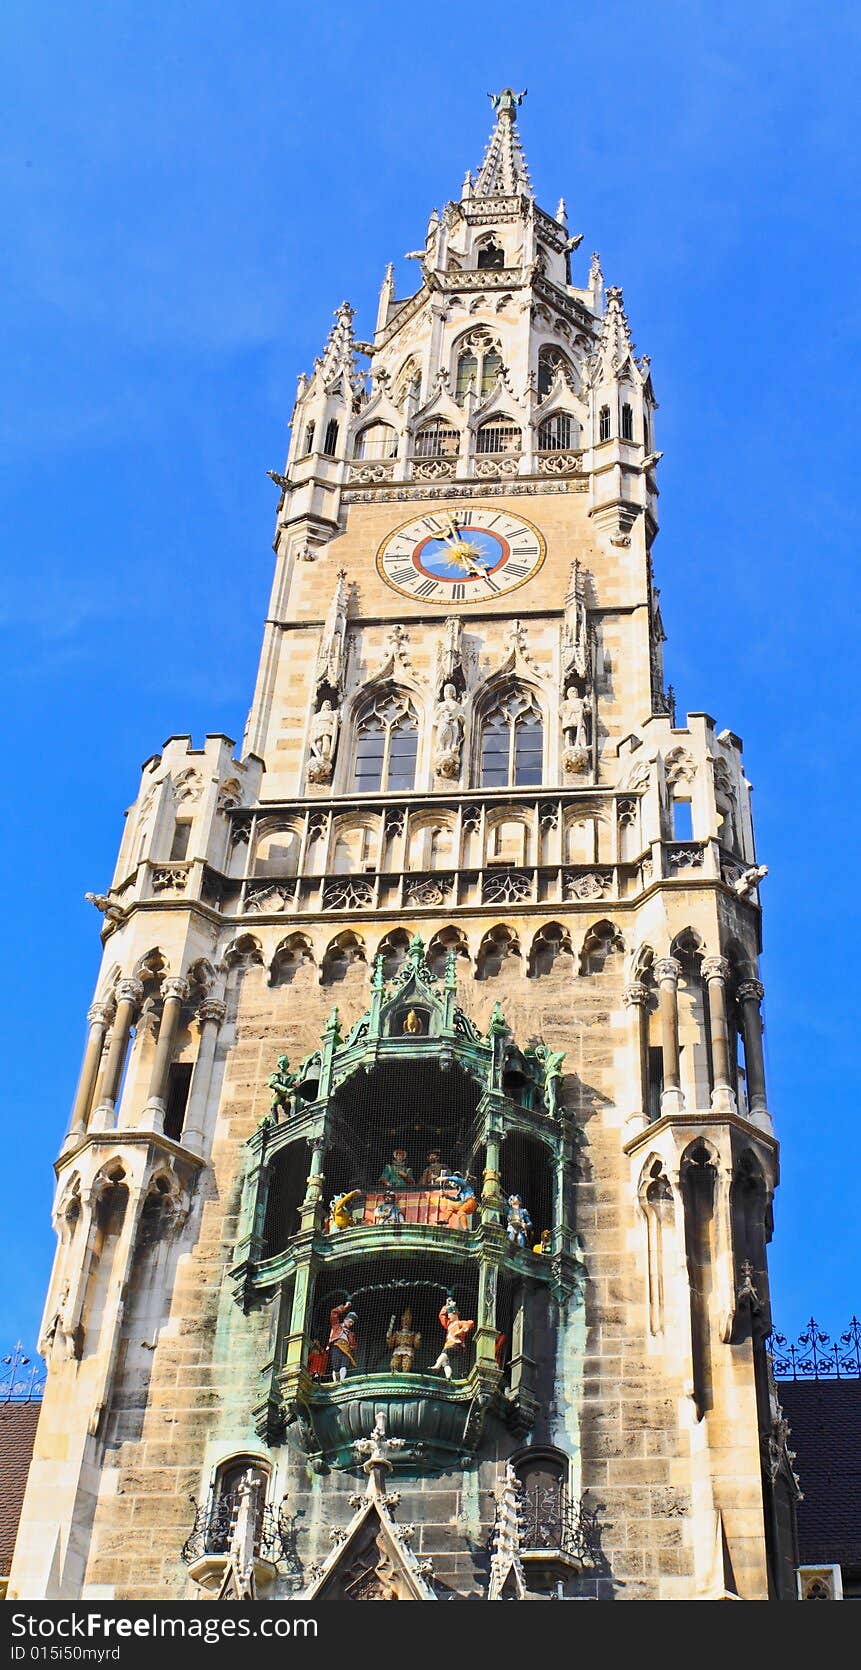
[(602, 945), (344, 953), (442, 944), (499, 949), (293, 956), (393, 949), (509, 733), (385, 737), (550, 952), (245, 951)]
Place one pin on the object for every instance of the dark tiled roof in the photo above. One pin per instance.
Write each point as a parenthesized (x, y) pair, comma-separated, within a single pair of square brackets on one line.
[(825, 1417), (18, 1422)]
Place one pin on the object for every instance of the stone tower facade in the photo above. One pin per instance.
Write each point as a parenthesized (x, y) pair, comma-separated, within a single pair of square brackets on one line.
[(421, 1136)]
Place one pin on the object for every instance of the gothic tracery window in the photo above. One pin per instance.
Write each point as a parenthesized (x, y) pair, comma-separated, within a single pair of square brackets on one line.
[(490, 256), (478, 366), (330, 443), (512, 742), (386, 745), (627, 422), (550, 361), (604, 424)]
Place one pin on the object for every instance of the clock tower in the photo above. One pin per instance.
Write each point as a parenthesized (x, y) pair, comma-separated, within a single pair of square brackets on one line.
[(422, 1129)]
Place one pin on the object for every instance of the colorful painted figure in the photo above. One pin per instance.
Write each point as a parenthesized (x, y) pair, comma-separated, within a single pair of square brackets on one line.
[(402, 1343), (342, 1341), (459, 1194), (387, 1210), (397, 1174), (518, 1221), (457, 1332), (545, 1244), (430, 1176), (317, 1360), (339, 1209)]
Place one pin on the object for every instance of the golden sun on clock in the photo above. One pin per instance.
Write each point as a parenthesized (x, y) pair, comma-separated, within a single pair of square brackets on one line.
[(461, 556)]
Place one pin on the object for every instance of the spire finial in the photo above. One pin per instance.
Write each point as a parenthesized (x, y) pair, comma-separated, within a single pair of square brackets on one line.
[(503, 172), (506, 102)]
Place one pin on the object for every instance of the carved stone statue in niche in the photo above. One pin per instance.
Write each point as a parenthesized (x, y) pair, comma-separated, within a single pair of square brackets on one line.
[(323, 742), (450, 654), (576, 715), (448, 718)]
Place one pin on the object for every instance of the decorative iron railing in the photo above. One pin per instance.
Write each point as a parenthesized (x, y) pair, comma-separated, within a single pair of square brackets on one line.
[(22, 1376), (213, 1526), (814, 1355), (551, 1522)]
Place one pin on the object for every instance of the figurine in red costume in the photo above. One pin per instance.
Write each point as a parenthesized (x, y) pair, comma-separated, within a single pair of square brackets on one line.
[(457, 1333), (342, 1341)]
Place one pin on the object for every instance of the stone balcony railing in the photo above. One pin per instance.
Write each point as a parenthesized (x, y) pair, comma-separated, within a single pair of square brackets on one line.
[(498, 883)]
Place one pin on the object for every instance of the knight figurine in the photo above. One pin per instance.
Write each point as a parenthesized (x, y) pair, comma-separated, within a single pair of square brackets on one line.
[(403, 1343), (322, 743)]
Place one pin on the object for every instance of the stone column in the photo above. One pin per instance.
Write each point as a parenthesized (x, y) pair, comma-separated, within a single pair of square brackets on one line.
[(716, 971), (491, 1193), (174, 993), (312, 1205), (750, 995), (636, 998), (129, 995), (99, 1019), (667, 971), (210, 1017)]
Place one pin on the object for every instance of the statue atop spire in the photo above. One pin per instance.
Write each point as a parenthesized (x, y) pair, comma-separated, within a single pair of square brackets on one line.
[(503, 171)]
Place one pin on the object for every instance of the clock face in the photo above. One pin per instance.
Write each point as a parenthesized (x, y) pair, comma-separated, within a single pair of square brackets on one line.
[(461, 556)]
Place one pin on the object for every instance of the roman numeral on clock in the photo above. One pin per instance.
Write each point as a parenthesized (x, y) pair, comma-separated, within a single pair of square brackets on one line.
[(518, 569), (427, 588), (403, 576), (458, 592)]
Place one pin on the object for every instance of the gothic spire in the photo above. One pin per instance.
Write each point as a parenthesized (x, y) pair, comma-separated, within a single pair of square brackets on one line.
[(615, 345), (503, 172), (507, 1581), (339, 353)]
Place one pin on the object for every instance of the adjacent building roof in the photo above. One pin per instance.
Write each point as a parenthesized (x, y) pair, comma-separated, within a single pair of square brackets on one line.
[(18, 1422), (825, 1421)]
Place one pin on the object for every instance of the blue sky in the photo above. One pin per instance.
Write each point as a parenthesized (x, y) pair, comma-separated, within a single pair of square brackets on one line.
[(187, 191)]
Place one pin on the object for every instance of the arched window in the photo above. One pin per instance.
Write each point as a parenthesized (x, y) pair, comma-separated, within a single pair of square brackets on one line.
[(543, 1475), (330, 444), (604, 424), (309, 438), (558, 433), (490, 256), (226, 1498), (512, 742), (376, 440), (478, 363), (386, 745), (627, 423), (437, 440), (499, 435), (550, 361), (409, 382)]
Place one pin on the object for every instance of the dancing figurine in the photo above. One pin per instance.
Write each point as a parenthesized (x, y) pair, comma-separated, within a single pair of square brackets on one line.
[(458, 1195), (339, 1209), (342, 1340), (457, 1332), (282, 1084), (402, 1343)]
